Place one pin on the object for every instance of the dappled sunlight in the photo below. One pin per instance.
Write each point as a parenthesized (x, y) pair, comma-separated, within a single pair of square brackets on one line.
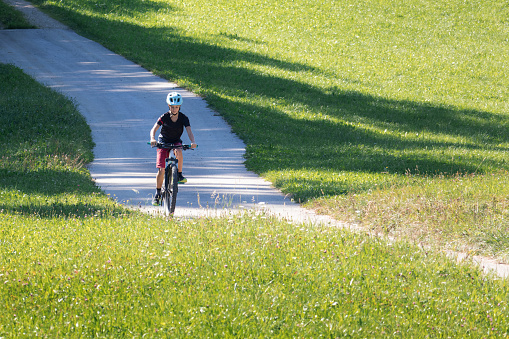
[(106, 80), (212, 176), (292, 114), (270, 97)]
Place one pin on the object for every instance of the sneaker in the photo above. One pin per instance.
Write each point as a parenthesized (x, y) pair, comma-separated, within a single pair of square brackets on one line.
[(182, 179), (156, 201)]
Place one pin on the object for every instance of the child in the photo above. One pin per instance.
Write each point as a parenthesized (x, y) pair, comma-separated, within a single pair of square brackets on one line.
[(172, 123)]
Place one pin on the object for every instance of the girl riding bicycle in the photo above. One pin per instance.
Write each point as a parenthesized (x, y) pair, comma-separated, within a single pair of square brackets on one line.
[(172, 125)]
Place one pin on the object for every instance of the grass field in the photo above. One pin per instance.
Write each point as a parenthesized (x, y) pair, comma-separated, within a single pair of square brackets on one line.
[(74, 264), (345, 104), (408, 147)]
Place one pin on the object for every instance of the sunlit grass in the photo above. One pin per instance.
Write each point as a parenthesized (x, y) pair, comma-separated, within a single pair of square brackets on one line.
[(395, 75), (234, 277), (74, 264), (376, 108), (467, 213), (333, 98)]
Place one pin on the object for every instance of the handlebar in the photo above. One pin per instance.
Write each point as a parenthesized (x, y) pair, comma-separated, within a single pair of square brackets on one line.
[(171, 146)]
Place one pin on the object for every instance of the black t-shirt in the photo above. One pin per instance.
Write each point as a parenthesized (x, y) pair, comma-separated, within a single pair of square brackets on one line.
[(172, 131)]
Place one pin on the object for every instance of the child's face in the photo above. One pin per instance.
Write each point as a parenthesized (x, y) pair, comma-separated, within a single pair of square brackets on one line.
[(174, 109)]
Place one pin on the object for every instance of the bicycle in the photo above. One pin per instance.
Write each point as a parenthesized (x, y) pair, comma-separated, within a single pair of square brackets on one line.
[(169, 189)]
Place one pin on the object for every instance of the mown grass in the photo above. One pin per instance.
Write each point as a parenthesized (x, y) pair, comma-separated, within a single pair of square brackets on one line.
[(74, 264), (43, 155), (336, 100), (11, 18)]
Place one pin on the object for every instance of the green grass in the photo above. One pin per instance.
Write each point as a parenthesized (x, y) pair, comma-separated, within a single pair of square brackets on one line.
[(11, 18), (466, 213), (252, 277), (74, 264), (43, 154), (336, 100), (378, 129), (340, 88)]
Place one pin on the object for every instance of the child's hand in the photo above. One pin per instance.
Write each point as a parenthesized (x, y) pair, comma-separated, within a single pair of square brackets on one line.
[(193, 145), (153, 143)]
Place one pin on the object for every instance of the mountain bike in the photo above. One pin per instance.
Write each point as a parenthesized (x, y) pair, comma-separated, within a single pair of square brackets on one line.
[(169, 189)]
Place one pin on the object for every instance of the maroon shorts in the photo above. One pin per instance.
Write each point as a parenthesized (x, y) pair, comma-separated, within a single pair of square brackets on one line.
[(162, 154)]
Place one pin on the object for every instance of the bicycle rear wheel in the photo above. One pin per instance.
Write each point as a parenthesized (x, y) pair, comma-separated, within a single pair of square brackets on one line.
[(170, 191)]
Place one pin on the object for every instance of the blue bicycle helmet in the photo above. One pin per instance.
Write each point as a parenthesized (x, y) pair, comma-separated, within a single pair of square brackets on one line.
[(174, 99)]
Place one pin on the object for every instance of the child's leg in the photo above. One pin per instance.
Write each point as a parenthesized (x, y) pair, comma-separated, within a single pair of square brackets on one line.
[(180, 158), (162, 154), (160, 178)]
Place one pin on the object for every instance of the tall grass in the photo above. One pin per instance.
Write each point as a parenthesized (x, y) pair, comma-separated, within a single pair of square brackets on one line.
[(231, 277), (74, 264), (467, 213), (338, 99)]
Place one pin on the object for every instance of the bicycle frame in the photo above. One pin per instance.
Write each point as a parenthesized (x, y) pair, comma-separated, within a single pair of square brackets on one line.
[(170, 187)]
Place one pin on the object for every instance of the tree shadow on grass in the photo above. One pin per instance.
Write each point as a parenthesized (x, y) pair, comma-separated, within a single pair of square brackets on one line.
[(34, 193), (279, 141), (60, 210), (211, 66)]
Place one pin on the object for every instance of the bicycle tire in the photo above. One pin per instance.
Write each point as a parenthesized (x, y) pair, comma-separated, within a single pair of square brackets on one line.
[(169, 198), (174, 187), (165, 195)]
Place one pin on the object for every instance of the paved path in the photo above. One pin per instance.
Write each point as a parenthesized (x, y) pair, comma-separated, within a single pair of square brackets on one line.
[(121, 102)]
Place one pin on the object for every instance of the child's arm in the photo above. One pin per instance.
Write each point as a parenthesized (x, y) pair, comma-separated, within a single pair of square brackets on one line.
[(153, 131), (191, 136)]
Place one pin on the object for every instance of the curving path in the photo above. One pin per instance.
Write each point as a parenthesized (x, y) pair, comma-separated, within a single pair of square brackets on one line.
[(121, 101)]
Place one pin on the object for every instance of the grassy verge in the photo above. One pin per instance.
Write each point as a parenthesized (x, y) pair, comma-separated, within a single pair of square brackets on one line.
[(465, 213), (338, 100), (43, 155), (74, 265), (11, 18)]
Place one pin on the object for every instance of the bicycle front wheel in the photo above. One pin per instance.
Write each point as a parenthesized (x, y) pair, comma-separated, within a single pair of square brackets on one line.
[(171, 189)]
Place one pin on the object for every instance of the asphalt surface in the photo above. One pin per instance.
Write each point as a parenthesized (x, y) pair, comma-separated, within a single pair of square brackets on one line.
[(121, 102)]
